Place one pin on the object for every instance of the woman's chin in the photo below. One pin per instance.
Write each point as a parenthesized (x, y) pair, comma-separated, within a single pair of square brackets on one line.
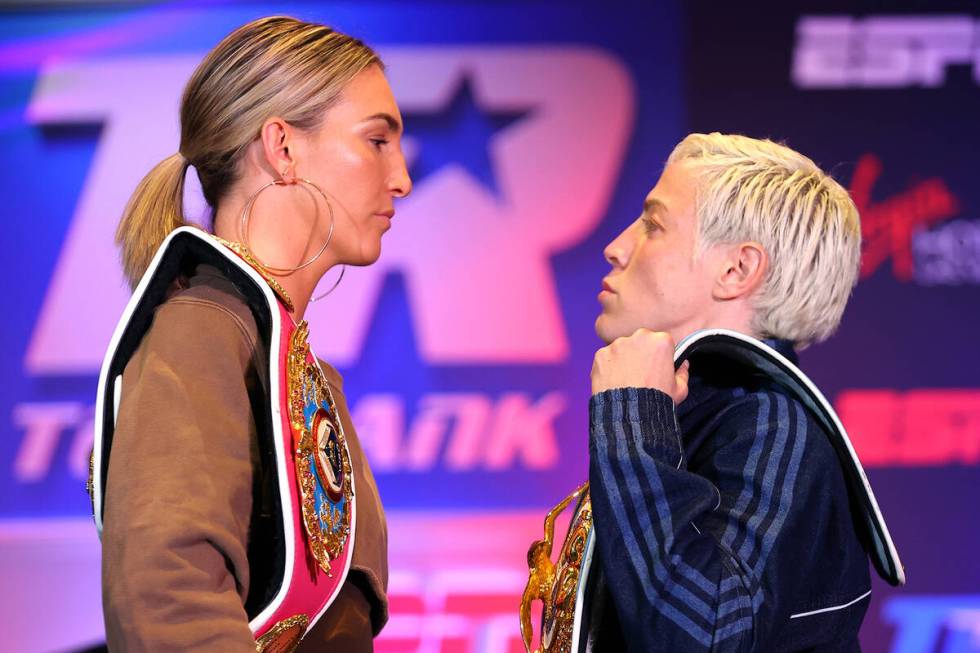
[(368, 255)]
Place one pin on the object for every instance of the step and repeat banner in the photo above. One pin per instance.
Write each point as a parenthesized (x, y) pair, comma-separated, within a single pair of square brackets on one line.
[(887, 101), (533, 133)]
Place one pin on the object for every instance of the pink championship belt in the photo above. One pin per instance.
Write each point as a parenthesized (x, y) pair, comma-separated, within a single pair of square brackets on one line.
[(313, 478), (320, 483), (313, 474)]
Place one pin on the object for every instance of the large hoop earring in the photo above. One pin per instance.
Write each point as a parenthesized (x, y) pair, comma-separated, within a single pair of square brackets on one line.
[(246, 214), (343, 268)]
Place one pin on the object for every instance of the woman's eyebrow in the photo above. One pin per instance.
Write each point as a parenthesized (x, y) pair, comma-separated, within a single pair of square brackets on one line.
[(653, 204), (393, 123), (654, 207)]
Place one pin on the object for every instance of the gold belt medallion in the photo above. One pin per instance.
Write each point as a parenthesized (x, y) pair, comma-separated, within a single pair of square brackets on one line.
[(284, 637), (323, 465), (555, 585)]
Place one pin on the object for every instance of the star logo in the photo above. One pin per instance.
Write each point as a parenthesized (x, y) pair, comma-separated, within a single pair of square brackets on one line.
[(459, 134)]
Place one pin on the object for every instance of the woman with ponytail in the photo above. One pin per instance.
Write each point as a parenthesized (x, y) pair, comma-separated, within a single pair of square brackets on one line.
[(236, 507)]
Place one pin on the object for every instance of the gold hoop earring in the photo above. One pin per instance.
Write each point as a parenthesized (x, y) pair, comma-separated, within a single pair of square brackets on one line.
[(343, 268), (246, 214)]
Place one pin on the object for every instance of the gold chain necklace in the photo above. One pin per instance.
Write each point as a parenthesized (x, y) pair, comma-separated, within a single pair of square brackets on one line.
[(246, 255)]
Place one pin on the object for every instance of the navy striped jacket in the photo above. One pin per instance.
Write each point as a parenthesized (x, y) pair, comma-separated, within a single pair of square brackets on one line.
[(723, 525)]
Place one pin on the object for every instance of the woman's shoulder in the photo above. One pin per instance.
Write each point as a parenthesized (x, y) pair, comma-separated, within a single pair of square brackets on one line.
[(334, 377), (205, 314)]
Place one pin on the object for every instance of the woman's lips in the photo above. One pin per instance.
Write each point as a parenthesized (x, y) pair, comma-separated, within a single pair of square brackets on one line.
[(386, 216), (606, 291)]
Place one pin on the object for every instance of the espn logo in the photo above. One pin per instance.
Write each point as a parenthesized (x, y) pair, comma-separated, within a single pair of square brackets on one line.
[(917, 428), (883, 51)]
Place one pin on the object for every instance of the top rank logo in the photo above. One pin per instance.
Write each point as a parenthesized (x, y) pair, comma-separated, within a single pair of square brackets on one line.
[(515, 154)]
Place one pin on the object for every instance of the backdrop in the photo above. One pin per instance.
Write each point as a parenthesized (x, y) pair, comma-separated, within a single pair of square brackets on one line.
[(534, 131)]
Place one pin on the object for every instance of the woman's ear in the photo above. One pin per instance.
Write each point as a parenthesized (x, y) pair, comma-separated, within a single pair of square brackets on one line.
[(277, 136), (743, 271)]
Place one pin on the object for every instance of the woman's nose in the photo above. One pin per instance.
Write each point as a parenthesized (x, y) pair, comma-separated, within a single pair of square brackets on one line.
[(400, 183), (617, 252)]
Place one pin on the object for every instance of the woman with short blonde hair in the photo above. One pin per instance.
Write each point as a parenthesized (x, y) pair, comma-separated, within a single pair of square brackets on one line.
[(758, 190)]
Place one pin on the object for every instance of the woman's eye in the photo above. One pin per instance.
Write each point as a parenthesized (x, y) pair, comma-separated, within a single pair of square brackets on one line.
[(378, 142), (650, 224)]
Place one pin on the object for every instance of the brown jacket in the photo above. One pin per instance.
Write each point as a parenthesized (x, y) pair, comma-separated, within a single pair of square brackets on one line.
[(183, 484)]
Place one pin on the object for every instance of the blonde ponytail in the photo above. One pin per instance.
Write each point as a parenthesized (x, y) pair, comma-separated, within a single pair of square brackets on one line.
[(155, 209), (271, 66)]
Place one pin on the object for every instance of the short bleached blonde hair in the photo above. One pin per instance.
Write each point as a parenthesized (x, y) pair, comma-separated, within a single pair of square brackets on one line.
[(758, 190)]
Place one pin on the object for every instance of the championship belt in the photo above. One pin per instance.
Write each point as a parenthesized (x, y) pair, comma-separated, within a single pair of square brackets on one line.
[(561, 586), (313, 532)]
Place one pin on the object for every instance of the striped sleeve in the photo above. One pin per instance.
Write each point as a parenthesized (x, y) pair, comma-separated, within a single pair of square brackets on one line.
[(685, 559)]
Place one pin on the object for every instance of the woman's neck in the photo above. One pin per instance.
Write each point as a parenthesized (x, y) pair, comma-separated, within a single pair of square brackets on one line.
[(299, 284)]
